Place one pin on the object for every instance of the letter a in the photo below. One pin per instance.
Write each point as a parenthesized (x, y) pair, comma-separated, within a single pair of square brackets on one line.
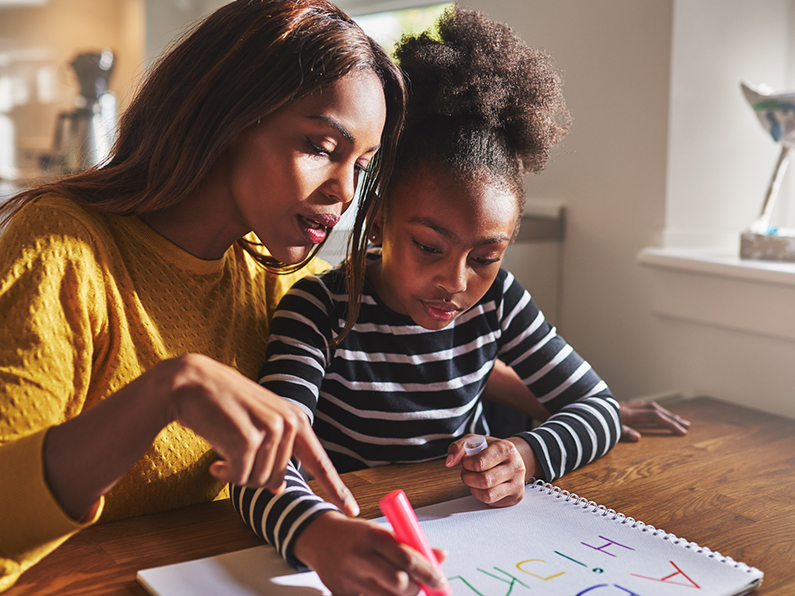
[(667, 578)]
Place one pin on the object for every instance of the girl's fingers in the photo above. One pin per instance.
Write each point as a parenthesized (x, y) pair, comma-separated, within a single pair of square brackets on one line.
[(376, 589), (419, 570), (455, 451), (629, 435), (650, 415), (387, 577), (497, 475), (497, 453), (501, 495)]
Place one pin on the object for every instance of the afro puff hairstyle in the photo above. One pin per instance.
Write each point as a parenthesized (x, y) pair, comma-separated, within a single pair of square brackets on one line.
[(480, 100)]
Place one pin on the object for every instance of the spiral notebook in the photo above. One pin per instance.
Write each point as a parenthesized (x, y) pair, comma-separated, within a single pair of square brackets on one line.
[(552, 543)]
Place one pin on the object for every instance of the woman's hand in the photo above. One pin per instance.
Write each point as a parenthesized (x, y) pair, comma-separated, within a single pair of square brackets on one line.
[(253, 430), (498, 474), (354, 556), (648, 415)]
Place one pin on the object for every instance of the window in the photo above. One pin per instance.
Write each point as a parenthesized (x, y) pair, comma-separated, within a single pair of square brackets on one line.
[(388, 27)]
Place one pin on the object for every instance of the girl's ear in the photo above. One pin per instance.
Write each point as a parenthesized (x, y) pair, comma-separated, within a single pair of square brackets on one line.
[(375, 231)]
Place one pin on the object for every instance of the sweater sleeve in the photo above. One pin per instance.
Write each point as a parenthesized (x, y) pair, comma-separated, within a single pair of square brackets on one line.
[(47, 287), (585, 421), (37, 525), (296, 357)]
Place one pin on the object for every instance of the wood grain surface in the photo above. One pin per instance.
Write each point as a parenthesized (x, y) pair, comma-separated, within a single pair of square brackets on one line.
[(728, 485)]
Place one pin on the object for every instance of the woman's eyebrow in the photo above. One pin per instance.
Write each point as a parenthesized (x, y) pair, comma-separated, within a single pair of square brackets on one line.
[(339, 127), (346, 134)]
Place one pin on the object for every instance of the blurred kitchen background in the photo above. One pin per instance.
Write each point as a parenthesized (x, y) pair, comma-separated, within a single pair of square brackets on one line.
[(40, 93)]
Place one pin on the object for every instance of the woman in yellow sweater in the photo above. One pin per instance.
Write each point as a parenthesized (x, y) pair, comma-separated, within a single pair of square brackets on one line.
[(134, 298)]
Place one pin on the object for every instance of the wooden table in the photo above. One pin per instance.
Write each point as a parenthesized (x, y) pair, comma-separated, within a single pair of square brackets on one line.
[(729, 485)]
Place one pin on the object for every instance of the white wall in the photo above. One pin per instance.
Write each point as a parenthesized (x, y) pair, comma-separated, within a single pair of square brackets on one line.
[(720, 158), (664, 150), (166, 19), (610, 172), (720, 161)]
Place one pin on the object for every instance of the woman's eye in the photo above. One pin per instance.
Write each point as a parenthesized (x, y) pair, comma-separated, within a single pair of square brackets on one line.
[(318, 149)]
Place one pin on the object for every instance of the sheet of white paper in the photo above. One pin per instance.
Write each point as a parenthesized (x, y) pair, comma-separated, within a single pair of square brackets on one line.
[(552, 546), (545, 545), (251, 572)]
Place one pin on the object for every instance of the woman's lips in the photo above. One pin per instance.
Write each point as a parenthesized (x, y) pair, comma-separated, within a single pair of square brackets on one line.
[(327, 220), (316, 227)]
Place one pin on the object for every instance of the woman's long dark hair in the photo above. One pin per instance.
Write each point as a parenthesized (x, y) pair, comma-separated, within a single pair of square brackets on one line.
[(246, 60)]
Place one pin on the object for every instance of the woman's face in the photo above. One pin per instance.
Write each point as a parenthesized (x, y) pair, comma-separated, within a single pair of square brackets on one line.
[(292, 175), (442, 245)]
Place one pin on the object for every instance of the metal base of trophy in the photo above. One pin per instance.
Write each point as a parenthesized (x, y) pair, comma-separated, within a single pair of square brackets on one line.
[(768, 247)]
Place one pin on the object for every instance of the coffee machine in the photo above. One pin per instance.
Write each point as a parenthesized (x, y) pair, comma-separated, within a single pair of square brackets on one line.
[(84, 136)]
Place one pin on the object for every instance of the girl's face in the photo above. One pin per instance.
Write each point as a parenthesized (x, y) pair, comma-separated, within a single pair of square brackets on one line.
[(442, 245), (291, 176)]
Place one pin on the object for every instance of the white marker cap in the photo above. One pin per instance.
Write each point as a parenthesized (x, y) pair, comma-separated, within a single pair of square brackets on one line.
[(475, 444)]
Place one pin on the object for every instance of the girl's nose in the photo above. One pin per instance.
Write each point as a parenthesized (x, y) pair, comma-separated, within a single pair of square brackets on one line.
[(452, 276)]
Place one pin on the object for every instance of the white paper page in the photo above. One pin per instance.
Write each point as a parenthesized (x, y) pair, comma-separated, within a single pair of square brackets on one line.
[(550, 546), (251, 572), (544, 545)]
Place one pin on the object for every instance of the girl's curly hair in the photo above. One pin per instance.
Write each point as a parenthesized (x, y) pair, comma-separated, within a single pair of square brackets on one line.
[(480, 99)]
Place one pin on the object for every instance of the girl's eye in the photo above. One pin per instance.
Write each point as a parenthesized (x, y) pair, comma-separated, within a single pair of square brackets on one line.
[(486, 261), (427, 249)]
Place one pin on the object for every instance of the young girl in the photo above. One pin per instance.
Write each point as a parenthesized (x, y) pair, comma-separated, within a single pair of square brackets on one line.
[(405, 385), (131, 294)]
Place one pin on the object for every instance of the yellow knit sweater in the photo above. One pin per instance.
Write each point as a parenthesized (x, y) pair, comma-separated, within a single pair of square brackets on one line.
[(87, 304)]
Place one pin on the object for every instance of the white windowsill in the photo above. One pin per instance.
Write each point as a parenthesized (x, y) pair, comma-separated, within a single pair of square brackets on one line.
[(720, 290), (700, 260)]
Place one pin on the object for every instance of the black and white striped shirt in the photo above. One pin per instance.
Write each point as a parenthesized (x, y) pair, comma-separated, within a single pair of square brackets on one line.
[(395, 392)]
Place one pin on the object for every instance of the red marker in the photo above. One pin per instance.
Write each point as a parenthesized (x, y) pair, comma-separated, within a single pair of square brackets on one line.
[(397, 509)]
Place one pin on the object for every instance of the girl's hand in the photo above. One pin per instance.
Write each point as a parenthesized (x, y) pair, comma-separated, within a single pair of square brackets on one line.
[(498, 474), (648, 415), (354, 556)]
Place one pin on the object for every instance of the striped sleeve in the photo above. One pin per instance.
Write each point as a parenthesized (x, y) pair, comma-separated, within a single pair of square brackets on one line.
[(585, 421), (301, 331), (580, 433), (296, 360), (280, 519)]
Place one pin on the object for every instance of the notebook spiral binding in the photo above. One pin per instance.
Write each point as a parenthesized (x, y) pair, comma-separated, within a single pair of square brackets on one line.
[(612, 515)]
